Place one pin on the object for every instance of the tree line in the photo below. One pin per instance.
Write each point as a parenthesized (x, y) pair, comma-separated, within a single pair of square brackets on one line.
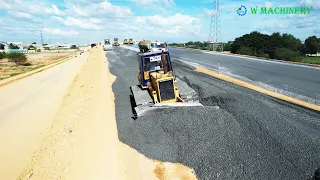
[(275, 46)]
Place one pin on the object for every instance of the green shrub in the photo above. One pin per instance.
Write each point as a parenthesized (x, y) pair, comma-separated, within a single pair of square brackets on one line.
[(18, 58), (38, 50), (3, 55), (246, 51), (286, 54)]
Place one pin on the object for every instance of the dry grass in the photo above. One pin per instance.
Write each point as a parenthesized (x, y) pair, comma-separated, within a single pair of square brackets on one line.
[(38, 60)]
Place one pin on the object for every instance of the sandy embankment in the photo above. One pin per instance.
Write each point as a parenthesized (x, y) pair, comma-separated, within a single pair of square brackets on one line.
[(83, 143)]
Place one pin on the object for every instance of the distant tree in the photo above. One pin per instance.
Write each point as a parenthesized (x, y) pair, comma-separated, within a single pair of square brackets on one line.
[(13, 46), (18, 58), (312, 45), (237, 44), (3, 55), (246, 51), (302, 50), (189, 43), (31, 47), (73, 47), (227, 46), (290, 42), (34, 43), (263, 45), (2, 46), (44, 44), (285, 54)]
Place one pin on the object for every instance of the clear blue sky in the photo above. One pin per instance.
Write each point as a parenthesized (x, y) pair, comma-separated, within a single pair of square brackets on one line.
[(85, 21)]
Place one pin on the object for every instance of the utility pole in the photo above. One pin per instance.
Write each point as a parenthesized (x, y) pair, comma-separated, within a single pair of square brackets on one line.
[(215, 27), (41, 38)]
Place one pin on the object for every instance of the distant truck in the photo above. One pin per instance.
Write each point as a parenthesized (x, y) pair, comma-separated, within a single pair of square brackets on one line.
[(107, 45), (151, 46)]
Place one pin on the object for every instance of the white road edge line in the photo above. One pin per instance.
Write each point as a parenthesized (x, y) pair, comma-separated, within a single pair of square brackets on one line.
[(266, 61)]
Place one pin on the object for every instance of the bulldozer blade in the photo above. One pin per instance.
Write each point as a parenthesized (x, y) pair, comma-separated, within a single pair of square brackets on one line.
[(145, 110)]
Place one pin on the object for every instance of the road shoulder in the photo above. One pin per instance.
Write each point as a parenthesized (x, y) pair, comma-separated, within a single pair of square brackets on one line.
[(27, 74)]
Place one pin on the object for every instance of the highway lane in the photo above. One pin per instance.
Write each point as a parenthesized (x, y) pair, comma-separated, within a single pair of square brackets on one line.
[(250, 135), (302, 82), (27, 108)]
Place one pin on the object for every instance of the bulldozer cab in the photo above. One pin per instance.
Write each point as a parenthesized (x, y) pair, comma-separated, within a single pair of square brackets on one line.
[(151, 62), (106, 41)]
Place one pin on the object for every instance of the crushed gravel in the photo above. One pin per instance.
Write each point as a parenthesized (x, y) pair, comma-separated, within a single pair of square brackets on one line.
[(250, 135)]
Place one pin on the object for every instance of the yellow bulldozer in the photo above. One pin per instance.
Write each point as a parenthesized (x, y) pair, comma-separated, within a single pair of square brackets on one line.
[(159, 88), (125, 41), (115, 42), (131, 41)]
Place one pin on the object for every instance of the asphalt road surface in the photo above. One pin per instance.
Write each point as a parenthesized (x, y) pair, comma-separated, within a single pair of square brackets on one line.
[(301, 82), (250, 135), (26, 110)]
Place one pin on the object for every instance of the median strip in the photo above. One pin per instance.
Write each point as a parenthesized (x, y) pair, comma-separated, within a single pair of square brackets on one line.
[(258, 89), (27, 74)]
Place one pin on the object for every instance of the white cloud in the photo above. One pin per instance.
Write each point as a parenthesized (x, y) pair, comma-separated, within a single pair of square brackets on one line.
[(208, 12), (305, 22), (314, 3), (177, 24), (89, 9), (152, 2), (30, 7), (60, 32), (83, 23), (267, 4), (160, 5), (172, 25), (18, 14), (54, 10)]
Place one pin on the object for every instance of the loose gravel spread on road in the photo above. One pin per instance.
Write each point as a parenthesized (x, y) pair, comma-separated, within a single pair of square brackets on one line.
[(250, 135)]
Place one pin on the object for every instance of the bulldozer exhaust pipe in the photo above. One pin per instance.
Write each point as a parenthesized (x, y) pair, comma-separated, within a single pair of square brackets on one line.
[(164, 62)]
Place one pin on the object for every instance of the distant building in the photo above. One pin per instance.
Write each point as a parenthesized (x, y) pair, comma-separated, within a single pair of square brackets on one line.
[(318, 54), (57, 46), (6, 47)]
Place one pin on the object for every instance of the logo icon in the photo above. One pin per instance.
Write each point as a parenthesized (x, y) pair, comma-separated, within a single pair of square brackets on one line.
[(242, 10)]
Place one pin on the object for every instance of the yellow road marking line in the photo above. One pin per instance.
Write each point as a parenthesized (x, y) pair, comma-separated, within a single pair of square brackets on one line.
[(259, 89)]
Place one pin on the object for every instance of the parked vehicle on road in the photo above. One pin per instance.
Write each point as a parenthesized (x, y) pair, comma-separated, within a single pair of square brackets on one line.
[(107, 45)]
